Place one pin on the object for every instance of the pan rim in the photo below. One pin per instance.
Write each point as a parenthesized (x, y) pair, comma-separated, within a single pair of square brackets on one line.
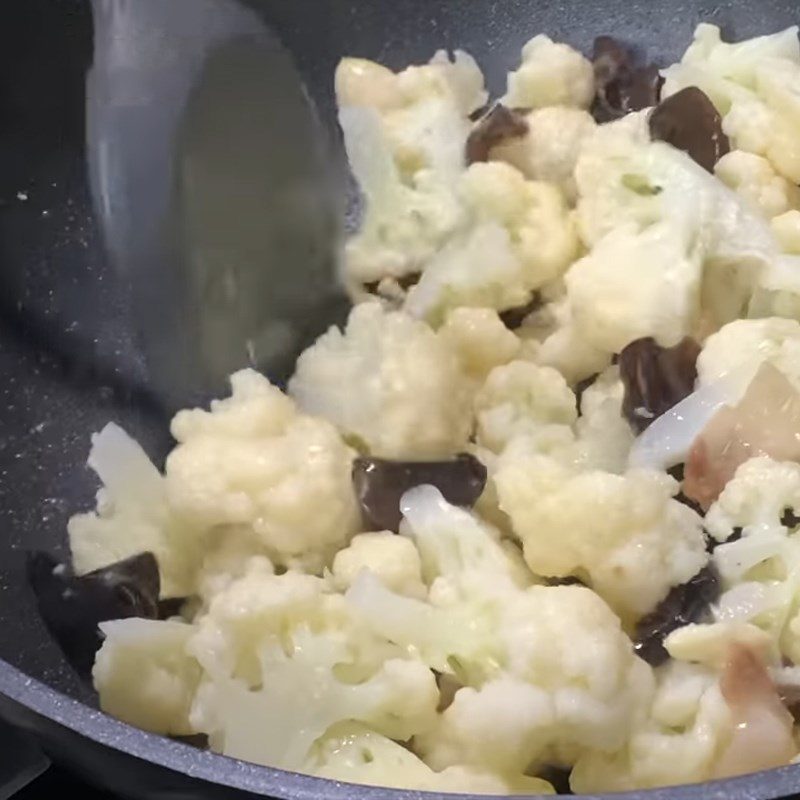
[(229, 773)]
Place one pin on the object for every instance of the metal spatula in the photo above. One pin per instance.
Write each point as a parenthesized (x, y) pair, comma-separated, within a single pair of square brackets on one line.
[(212, 179)]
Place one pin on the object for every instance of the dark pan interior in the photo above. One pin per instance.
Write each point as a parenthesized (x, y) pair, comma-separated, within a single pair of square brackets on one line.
[(68, 355)]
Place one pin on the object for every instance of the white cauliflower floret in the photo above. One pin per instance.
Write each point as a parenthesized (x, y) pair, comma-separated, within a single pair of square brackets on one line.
[(633, 285), (649, 203), (604, 437), (522, 237), (751, 341), (405, 135), (761, 570), (133, 516), (388, 382), (753, 178), (549, 150), (622, 531), (300, 698), (254, 460), (518, 398), (753, 85), (560, 696), (786, 229), (480, 339), (253, 608), (355, 754), (423, 110), (551, 74), (404, 225), (660, 754), (145, 676), (394, 560), (533, 212)]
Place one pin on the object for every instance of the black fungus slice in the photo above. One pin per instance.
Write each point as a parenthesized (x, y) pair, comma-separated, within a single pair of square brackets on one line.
[(621, 85), (405, 282), (72, 606), (499, 124), (677, 473), (689, 121), (513, 318), (569, 580), (557, 777), (683, 605), (656, 378), (580, 389), (379, 484), (789, 519)]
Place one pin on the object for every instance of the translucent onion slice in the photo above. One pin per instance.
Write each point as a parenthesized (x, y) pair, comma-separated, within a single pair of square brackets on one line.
[(666, 443)]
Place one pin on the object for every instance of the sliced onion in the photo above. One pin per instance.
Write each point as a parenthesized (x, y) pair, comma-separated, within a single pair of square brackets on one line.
[(666, 443)]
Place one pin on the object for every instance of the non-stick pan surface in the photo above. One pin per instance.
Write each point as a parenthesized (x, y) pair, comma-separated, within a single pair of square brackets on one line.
[(69, 361)]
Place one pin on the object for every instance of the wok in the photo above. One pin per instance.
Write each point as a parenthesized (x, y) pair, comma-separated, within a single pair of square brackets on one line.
[(70, 359)]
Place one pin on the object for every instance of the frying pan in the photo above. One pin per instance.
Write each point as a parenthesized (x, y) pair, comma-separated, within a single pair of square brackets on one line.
[(68, 349)]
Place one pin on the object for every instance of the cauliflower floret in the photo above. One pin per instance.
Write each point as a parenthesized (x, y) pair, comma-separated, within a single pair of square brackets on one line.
[(761, 570), (560, 696), (622, 531), (300, 698), (254, 460), (753, 178), (633, 285), (604, 437), (254, 607), (753, 84), (550, 149), (387, 382), (145, 676), (480, 339), (394, 560), (521, 397), (404, 224), (650, 203), (522, 237), (551, 74), (355, 754), (533, 212), (786, 229), (751, 340), (405, 135), (660, 754), (133, 516)]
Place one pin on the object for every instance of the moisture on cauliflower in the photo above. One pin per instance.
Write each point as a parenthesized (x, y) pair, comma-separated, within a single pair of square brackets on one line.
[(388, 383)]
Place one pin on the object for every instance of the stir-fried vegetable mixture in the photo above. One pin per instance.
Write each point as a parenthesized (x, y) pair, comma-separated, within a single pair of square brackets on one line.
[(534, 509)]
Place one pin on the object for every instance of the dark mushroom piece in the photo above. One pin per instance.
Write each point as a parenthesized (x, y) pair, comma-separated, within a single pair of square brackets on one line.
[(499, 124), (513, 318), (621, 86), (72, 606), (656, 378), (689, 121), (684, 604), (379, 484)]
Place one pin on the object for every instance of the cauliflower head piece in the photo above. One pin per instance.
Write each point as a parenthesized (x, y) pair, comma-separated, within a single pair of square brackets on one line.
[(355, 754), (145, 675), (551, 74), (254, 460), (134, 516), (624, 533), (388, 383)]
